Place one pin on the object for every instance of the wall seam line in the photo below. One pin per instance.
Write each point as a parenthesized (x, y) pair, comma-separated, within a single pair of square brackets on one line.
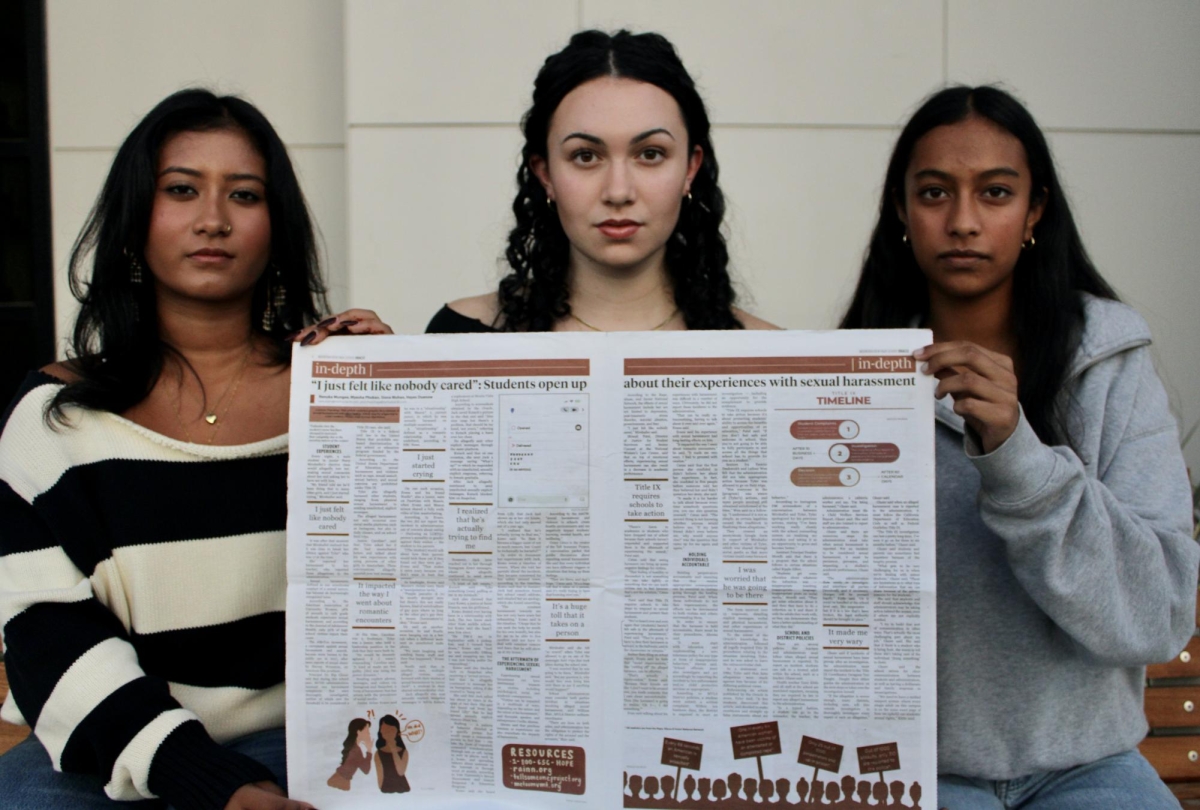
[(945, 42), (769, 125)]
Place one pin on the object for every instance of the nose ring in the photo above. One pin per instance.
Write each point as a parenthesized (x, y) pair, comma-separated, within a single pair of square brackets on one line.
[(227, 229)]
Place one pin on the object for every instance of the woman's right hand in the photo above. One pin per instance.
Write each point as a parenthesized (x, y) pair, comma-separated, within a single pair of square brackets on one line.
[(264, 796), (982, 383)]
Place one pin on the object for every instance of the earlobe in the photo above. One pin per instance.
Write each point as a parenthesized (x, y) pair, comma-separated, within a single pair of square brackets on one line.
[(902, 215), (694, 163), (898, 203), (537, 165), (1034, 216)]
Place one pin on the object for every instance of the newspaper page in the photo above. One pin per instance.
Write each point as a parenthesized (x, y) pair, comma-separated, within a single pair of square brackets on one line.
[(650, 570)]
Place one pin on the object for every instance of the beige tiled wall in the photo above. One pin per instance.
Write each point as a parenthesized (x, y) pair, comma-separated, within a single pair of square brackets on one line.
[(402, 119), (431, 61), (1085, 64), (795, 248), (429, 215), (771, 62)]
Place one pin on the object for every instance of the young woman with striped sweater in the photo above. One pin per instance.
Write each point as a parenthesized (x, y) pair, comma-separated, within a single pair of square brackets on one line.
[(142, 482)]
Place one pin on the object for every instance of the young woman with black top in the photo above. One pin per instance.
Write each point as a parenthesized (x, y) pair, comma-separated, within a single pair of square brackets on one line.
[(618, 210)]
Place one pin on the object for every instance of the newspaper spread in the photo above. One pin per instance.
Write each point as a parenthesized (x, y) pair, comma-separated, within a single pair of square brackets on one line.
[(603, 570)]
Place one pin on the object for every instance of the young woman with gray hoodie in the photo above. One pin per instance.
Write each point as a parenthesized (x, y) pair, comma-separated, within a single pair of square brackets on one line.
[(1064, 553)]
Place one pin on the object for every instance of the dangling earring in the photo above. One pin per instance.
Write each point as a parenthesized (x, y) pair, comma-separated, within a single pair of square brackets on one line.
[(689, 196), (550, 203), (276, 300), (135, 267), (904, 237), (1029, 244)]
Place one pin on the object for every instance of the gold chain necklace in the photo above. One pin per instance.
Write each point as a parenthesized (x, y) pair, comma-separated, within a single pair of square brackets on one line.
[(211, 416), (674, 312)]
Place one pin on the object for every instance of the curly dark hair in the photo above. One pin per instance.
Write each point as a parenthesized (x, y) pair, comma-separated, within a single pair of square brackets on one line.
[(535, 294), (1047, 281), (116, 348)]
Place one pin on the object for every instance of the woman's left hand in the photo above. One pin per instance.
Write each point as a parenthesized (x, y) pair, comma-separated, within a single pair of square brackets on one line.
[(982, 383), (350, 322)]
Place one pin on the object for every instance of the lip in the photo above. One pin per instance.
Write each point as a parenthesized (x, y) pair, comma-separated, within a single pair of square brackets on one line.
[(619, 228), (210, 255), (963, 258)]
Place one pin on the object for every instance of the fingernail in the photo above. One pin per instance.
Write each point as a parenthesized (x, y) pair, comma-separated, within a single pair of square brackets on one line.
[(924, 368), (326, 322), (309, 338), (290, 336), (348, 323), (919, 353)]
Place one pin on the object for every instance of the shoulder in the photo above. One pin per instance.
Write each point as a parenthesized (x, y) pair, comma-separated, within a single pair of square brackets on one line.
[(1115, 389), (32, 397), (475, 314), (33, 453), (39, 387), (65, 372), (752, 322), (483, 308), (1110, 327)]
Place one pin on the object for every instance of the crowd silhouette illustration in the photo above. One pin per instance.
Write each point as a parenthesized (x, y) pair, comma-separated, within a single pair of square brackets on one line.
[(736, 791)]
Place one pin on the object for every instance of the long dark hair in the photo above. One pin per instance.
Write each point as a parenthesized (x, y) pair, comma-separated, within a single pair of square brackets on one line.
[(116, 349), (535, 295), (389, 720), (1047, 281), (356, 725)]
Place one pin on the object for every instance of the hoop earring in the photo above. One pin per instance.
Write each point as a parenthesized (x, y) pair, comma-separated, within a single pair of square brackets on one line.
[(1028, 244), (135, 267), (276, 300), (904, 237), (550, 203)]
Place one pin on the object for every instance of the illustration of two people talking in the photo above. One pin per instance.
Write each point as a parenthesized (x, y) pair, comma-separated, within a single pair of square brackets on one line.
[(390, 755)]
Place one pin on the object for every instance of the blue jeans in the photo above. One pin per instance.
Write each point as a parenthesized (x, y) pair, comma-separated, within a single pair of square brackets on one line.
[(1121, 782), (29, 782)]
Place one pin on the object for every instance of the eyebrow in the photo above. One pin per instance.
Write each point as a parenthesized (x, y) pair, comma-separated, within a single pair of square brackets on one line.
[(583, 136), (194, 173), (635, 139), (1000, 171), (649, 132)]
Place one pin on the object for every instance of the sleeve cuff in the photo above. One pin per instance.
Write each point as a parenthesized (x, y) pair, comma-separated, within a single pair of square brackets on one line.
[(1016, 470), (192, 772)]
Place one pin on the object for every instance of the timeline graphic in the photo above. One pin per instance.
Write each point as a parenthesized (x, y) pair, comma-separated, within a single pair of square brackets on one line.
[(841, 452)]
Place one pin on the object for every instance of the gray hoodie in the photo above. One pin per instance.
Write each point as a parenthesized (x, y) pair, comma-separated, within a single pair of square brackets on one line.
[(1061, 573)]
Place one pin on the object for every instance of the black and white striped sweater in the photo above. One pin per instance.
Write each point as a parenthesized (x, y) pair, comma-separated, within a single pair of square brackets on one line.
[(142, 594)]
